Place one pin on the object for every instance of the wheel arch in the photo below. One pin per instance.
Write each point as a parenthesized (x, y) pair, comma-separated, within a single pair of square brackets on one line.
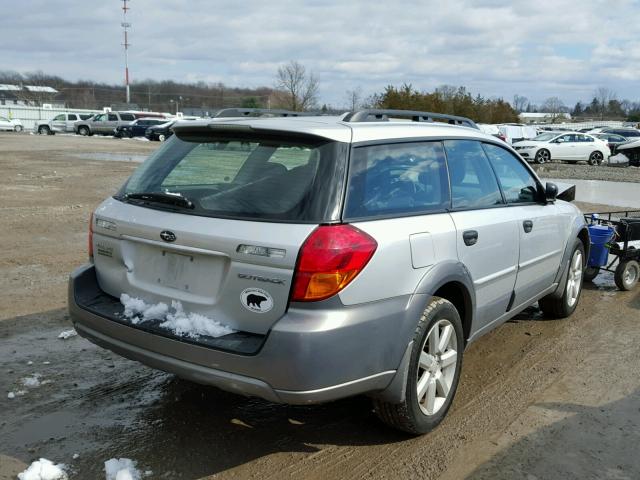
[(449, 280), (452, 281)]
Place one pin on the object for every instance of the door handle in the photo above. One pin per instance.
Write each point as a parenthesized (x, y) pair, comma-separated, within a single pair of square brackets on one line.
[(527, 225), (470, 237)]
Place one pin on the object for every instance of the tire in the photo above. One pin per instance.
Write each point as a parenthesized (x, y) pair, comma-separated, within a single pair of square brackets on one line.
[(129, 135), (161, 137), (555, 306), (627, 274), (18, 128), (542, 156), (419, 414), (84, 131), (596, 158), (44, 130), (590, 273)]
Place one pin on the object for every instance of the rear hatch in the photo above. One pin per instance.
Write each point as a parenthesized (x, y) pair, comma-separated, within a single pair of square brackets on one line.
[(215, 221)]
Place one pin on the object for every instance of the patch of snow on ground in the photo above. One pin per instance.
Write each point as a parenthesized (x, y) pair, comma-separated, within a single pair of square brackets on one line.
[(44, 469), (11, 395), (67, 334), (174, 319), (121, 469), (33, 381)]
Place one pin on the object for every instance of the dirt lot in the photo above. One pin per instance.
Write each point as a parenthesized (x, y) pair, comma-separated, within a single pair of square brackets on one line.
[(537, 398)]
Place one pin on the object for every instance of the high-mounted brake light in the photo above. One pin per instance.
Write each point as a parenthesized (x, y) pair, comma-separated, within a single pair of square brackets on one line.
[(329, 260), (90, 249)]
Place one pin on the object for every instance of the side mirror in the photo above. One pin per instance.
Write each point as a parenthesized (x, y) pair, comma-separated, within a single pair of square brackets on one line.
[(551, 192)]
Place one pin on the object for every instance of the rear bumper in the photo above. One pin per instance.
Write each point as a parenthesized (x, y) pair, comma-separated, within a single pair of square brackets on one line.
[(313, 354)]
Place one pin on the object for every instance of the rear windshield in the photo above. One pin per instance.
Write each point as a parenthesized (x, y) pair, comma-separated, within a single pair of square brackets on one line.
[(257, 178)]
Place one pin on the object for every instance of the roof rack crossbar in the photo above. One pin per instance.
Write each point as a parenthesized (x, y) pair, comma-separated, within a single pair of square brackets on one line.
[(383, 115), (256, 112)]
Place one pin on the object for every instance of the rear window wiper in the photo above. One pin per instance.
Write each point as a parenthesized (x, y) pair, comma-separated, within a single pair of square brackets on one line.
[(176, 199)]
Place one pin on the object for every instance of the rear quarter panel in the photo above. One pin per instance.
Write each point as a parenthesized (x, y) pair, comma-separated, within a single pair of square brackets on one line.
[(408, 248)]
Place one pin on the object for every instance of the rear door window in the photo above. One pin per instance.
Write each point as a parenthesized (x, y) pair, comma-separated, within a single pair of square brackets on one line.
[(403, 178), (72, 116), (473, 183)]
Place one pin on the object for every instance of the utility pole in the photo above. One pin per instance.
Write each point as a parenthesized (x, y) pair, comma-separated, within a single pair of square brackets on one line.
[(126, 44)]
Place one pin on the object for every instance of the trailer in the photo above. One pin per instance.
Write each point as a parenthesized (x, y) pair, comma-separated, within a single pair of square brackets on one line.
[(611, 235)]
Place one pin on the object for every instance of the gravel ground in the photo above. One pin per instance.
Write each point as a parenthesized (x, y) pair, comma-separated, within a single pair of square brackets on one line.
[(582, 171)]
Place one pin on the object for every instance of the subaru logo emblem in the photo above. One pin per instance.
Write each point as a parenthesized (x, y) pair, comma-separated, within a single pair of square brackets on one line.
[(168, 236)]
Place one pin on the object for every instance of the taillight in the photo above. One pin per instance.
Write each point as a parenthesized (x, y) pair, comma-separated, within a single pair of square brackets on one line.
[(90, 249), (329, 260)]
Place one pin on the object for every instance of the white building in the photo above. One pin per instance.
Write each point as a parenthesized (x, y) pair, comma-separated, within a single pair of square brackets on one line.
[(543, 117)]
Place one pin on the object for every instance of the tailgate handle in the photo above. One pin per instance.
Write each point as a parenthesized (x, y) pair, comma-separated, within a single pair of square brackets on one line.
[(527, 225), (470, 237)]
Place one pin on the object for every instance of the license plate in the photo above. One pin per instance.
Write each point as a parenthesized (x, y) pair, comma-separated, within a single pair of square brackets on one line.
[(177, 269)]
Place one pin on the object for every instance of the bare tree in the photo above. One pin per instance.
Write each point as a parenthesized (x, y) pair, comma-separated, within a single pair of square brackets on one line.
[(299, 88), (603, 96), (554, 107), (520, 103), (354, 99)]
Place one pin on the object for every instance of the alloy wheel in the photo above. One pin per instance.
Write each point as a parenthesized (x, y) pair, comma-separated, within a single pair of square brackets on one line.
[(574, 280), (437, 367), (595, 158), (543, 156)]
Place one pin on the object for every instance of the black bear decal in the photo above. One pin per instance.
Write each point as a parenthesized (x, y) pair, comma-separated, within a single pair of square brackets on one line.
[(255, 300)]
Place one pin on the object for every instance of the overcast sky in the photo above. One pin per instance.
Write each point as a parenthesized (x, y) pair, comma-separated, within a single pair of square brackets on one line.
[(535, 48)]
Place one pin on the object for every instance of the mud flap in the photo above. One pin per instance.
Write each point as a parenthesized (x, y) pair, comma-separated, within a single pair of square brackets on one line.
[(396, 390)]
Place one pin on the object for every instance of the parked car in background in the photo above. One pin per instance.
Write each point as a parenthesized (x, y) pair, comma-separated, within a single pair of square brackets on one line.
[(491, 129), (103, 123), (612, 140), (13, 125), (570, 147), (631, 150), (61, 123), (628, 133), (256, 255), (138, 127), (160, 132)]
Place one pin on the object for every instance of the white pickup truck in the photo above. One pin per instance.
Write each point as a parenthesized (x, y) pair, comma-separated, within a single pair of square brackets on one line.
[(60, 123)]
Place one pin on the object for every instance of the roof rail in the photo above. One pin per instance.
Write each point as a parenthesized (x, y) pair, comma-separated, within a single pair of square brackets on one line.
[(383, 115), (256, 112)]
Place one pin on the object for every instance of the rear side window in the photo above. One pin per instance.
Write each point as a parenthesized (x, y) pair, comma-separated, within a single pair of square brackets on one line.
[(400, 178), (127, 117), (518, 185), (473, 183)]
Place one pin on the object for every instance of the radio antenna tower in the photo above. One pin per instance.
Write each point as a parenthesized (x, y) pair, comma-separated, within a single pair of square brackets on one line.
[(125, 27)]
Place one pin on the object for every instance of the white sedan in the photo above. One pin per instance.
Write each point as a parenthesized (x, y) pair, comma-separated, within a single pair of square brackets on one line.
[(13, 125), (567, 146)]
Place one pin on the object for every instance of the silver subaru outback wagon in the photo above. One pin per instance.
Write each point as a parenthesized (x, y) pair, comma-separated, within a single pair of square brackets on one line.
[(303, 260)]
